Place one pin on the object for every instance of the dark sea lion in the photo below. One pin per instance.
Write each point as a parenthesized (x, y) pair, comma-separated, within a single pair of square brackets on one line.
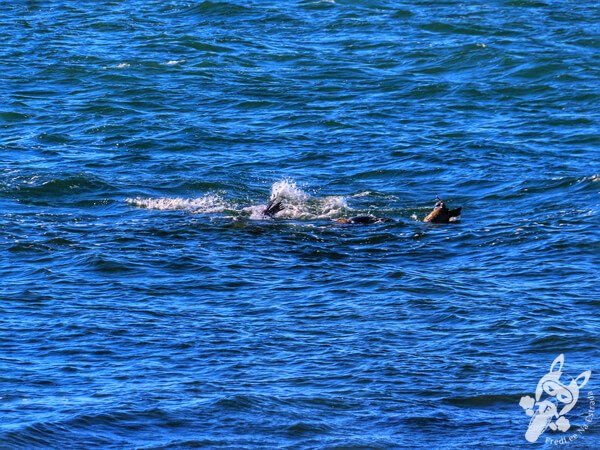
[(441, 214), (357, 219), (362, 220)]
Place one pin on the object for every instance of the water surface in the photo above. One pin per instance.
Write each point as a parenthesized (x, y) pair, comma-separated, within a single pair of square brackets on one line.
[(147, 303)]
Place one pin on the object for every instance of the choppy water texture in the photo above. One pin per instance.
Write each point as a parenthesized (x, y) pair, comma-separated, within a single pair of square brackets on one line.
[(147, 303)]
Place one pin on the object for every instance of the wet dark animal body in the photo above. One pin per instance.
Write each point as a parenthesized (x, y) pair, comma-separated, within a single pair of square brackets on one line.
[(362, 220)]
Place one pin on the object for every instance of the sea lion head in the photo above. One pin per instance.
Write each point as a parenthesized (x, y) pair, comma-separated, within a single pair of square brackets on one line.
[(441, 214), (439, 203)]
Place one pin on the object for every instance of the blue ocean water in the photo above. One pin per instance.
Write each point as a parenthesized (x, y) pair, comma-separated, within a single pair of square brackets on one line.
[(147, 303)]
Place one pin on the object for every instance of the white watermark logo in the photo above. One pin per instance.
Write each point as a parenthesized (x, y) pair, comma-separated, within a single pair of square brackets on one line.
[(553, 400)]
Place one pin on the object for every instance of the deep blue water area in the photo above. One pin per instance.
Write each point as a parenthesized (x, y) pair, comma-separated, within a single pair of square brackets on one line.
[(147, 303)]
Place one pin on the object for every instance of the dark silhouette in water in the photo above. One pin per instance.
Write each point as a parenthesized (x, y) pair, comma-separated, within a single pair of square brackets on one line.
[(441, 214), (273, 208), (362, 220)]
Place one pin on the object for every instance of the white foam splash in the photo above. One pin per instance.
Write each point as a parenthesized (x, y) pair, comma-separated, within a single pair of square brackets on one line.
[(122, 66), (210, 203), (174, 62), (288, 190), (255, 212), (298, 205)]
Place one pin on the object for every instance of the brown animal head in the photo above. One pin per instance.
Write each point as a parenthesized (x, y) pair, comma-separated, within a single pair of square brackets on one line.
[(441, 213)]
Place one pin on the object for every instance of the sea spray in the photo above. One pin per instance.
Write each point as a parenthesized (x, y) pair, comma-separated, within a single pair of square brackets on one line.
[(299, 205), (287, 189), (210, 203)]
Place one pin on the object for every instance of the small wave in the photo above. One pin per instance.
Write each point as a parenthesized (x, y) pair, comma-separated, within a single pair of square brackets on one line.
[(482, 400), (210, 203), (225, 9), (36, 186), (175, 62), (592, 179), (363, 194)]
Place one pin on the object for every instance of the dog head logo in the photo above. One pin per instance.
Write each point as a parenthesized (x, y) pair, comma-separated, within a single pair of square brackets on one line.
[(553, 400)]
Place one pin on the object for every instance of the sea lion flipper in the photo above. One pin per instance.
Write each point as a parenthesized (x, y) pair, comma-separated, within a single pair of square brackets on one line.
[(273, 208)]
